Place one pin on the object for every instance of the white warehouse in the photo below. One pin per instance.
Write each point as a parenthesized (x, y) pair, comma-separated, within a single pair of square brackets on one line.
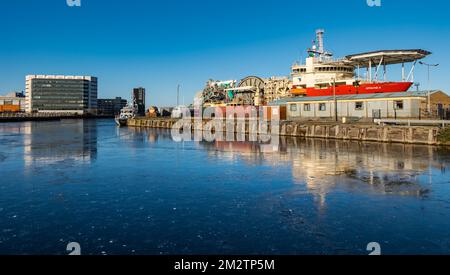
[(377, 105)]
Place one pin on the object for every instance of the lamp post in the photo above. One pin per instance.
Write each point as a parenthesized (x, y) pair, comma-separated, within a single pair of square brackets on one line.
[(178, 95), (335, 100), (429, 84)]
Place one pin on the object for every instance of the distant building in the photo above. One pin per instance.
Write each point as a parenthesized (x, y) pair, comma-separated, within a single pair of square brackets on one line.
[(51, 93), (139, 100), (361, 106), (12, 103), (16, 94), (440, 105), (110, 107)]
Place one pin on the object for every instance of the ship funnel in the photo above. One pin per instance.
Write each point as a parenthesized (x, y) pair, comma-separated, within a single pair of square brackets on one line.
[(319, 34)]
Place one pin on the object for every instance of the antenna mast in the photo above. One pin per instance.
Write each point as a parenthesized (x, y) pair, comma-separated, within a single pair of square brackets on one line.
[(319, 35), (320, 48)]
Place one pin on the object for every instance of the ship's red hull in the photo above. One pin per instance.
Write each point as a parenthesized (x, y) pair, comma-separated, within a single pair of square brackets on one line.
[(372, 88)]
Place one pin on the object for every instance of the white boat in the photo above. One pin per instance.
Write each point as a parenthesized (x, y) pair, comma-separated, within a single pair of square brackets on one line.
[(179, 111), (125, 114)]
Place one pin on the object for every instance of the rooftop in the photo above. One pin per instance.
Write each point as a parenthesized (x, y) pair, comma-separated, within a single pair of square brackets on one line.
[(29, 77)]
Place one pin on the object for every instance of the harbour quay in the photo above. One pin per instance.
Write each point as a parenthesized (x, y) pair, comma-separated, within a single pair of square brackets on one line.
[(21, 117), (427, 135)]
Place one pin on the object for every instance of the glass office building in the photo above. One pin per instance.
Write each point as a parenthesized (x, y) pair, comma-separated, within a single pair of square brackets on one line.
[(74, 94), (111, 107)]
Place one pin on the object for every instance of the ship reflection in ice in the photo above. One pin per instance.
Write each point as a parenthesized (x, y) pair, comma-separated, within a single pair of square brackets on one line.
[(400, 169), (322, 164)]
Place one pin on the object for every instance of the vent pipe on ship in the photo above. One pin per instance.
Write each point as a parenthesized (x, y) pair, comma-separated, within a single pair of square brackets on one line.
[(319, 34)]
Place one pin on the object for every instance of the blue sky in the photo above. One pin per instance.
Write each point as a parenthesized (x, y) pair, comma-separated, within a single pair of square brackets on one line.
[(159, 44)]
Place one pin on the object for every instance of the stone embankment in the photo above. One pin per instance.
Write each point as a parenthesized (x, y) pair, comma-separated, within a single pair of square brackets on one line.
[(361, 132)]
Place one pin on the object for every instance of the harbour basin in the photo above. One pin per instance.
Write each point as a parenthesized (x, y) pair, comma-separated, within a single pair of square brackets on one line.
[(119, 191)]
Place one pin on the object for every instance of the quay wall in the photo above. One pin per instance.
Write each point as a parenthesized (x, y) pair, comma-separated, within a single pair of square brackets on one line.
[(21, 117), (367, 132)]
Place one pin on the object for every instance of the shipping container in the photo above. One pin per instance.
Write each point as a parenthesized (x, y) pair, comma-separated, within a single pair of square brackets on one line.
[(9, 108)]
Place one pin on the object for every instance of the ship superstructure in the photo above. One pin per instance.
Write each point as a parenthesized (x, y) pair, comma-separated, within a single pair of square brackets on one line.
[(322, 75)]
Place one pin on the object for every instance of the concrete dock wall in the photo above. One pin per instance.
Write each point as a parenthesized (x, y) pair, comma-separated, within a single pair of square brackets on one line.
[(21, 117), (401, 134), (390, 134)]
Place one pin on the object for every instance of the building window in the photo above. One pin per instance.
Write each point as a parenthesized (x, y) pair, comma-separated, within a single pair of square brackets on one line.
[(359, 106), (322, 107), (307, 107), (293, 107), (398, 105)]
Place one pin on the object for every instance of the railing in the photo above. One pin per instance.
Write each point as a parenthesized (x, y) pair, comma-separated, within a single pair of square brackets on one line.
[(323, 59), (411, 122)]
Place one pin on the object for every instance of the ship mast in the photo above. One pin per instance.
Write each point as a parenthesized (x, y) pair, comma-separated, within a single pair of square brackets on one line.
[(318, 47), (319, 34)]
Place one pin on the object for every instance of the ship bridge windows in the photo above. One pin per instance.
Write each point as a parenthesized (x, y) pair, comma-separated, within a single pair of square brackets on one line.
[(299, 70), (335, 69)]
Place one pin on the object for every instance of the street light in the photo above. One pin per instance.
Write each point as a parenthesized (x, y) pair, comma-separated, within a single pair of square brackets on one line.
[(178, 95), (429, 87), (335, 100)]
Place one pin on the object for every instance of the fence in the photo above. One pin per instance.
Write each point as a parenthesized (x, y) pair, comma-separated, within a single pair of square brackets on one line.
[(444, 114)]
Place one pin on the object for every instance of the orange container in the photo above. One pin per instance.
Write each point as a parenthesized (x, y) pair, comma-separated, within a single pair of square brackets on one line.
[(298, 91), (10, 108)]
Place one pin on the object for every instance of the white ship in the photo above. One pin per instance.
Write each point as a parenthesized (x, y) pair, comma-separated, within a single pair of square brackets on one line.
[(125, 114)]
